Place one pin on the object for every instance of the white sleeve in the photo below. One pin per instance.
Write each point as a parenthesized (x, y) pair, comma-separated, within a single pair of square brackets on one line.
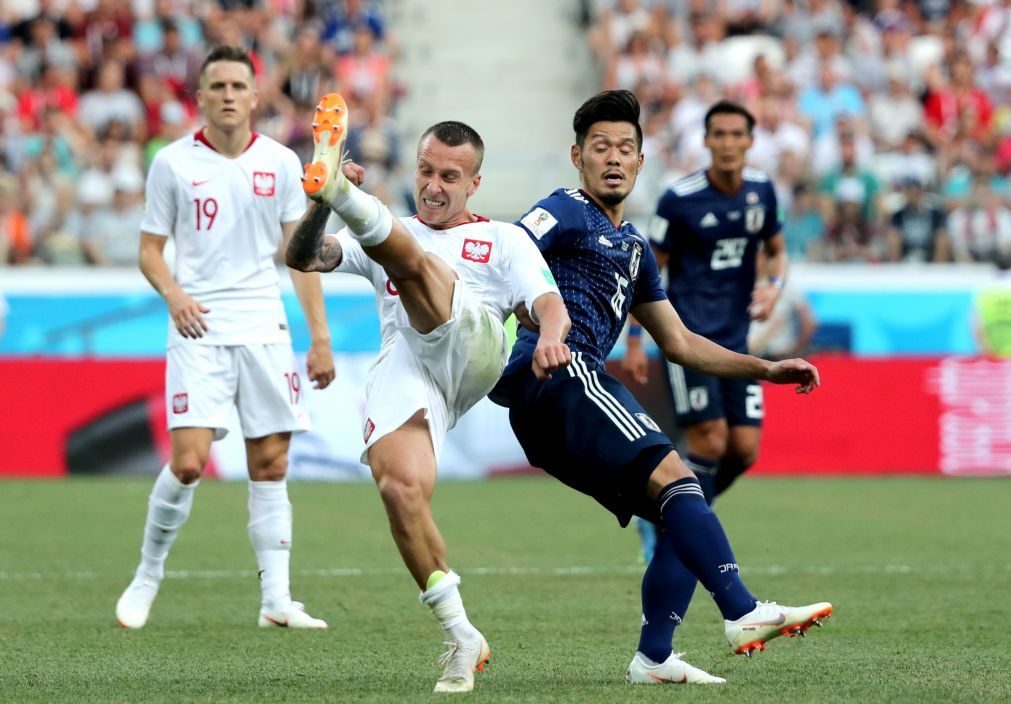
[(159, 198), (529, 275), (293, 205), (353, 257)]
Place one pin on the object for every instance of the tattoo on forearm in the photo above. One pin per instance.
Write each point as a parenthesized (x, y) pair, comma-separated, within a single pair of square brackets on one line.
[(308, 249)]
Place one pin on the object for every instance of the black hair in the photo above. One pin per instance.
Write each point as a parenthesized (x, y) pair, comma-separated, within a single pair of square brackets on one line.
[(225, 52), (609, 106), (725, 107), (453, 134)]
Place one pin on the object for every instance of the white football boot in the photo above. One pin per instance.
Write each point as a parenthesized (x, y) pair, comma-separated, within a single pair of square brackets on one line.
[(769, 620), (323, 176), (460, 662), (673, 670), (134, 604), (291, 616)]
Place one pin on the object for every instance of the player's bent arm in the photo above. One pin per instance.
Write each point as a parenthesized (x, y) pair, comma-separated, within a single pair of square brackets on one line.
[(309, 249), (551, 352), (682, 346)]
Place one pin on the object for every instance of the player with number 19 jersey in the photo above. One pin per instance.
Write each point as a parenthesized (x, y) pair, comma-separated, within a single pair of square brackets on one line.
[(225, 248), (712, 240)]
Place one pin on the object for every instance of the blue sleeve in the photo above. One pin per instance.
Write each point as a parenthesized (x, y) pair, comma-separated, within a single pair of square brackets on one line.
[(549, 223), (648, 287), (661, 226), (774, 222)]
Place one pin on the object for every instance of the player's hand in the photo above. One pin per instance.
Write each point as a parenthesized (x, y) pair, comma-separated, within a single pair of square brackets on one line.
[(549, 357), (795, 371), (763, 300), (636, 363), (355, 173), (187, 314), (319, 363)]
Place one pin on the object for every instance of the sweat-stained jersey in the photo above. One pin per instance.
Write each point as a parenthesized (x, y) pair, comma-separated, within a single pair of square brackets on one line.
[(225, 216), (711, 239), (601, 270), (496, 260)]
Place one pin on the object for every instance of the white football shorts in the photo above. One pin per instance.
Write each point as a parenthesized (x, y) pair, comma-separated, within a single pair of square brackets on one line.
[(444, 372), (264, 382)]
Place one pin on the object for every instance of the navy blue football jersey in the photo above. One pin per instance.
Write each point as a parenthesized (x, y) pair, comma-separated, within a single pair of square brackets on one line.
[(711, 239), (601, 272)]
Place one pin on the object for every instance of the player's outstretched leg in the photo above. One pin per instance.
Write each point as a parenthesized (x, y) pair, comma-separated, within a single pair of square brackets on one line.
[(168, 507), (424, 282), (667, 588), (770, 620), (701, 543)]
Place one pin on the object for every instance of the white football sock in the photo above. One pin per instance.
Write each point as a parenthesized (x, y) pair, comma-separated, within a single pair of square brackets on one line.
[(368, 220), (270, 533), (168, 507), (446, 603)]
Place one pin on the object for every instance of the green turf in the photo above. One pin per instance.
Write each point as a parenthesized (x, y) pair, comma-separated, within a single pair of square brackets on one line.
[(919, 571)]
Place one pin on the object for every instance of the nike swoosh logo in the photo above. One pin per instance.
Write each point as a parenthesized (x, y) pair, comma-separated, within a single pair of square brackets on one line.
[(775, 622), (200, 183), (683, 680), (276, 622)]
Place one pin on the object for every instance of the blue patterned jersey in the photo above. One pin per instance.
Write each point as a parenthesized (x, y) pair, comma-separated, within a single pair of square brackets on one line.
[(601, 272), (712, 240)]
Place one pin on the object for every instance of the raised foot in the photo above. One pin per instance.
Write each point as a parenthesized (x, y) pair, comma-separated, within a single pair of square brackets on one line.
[(329, 132)]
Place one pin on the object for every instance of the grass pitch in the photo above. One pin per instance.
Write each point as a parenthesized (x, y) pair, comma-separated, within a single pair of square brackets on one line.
[(919, 571)]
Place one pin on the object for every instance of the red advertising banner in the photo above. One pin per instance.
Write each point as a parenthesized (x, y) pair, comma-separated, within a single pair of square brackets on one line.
[(871, 416)]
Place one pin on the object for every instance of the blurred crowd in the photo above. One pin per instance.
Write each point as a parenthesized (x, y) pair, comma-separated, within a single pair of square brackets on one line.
[(886, 124), (91, 89)]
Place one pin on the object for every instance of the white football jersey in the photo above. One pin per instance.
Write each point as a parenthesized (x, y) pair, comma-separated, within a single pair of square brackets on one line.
[(225, 215), (499, 263)]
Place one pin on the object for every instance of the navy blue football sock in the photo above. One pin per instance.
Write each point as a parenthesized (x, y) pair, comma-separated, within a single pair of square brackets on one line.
[(699, 540), (667, 589), (706, 471)]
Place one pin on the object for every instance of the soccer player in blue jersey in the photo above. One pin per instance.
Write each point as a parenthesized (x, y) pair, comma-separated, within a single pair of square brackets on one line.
[(707, 232), (584, 428)]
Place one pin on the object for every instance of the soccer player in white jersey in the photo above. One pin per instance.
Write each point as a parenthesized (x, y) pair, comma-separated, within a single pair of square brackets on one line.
[(228, 196), (445, 281)]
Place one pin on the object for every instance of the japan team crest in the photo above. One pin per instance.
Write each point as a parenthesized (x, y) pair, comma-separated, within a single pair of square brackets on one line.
[(476, 251), (263, 183), (754, 219), (636, 259)]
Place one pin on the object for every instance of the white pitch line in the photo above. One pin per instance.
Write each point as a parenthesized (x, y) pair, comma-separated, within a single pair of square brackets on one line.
[(575, 571)]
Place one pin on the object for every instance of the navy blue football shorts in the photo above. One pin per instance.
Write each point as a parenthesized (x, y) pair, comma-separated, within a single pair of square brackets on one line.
[(698, 397), (587, 430)]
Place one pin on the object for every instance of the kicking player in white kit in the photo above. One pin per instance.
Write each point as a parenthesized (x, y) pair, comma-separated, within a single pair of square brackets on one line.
[(445, 281), (228, 196)]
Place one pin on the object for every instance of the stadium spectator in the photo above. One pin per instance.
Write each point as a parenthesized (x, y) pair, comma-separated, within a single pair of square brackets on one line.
[(111, 236), (850, 182), (789, 329), (804, 226), (917, 231), (15, 235), (980, 229), (111, 100)]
